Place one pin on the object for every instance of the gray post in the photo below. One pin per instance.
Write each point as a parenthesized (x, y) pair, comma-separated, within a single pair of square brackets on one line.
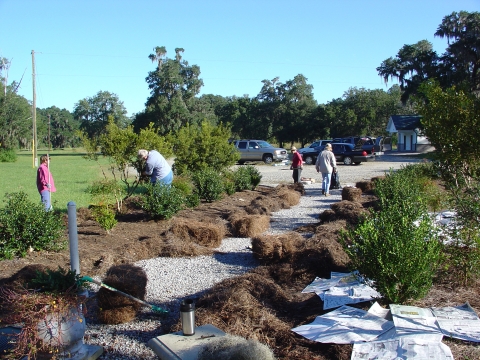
[(73, 237)]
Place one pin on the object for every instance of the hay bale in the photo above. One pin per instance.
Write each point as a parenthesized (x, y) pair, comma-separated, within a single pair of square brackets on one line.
[(365, 186), (351, 211), (246, 225), (327, 216), (120, 315), (351, 194), (115, 307), (273, 248), (231, 347), (206, 234), (286, 196), (263, 205), (173, 246)]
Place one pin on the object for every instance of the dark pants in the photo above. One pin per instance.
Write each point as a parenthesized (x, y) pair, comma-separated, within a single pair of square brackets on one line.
[(297, 173)]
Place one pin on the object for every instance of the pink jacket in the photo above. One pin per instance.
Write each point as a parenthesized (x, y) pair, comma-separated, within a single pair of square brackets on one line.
[(44, 177)]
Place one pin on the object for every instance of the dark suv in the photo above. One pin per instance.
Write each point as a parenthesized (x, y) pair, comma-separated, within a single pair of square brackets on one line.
[(259, 150)]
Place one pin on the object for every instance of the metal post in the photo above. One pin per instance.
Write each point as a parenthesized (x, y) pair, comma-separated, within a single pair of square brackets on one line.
[(73, 237), (34, 114)]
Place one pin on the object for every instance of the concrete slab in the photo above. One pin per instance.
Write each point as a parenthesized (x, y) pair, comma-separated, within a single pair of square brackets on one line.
[(177, 346)]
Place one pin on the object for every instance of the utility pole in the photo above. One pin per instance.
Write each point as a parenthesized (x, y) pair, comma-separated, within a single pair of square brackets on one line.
[(34, 113)]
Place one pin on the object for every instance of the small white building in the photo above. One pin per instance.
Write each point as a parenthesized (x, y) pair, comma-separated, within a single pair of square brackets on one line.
[(408, 132)]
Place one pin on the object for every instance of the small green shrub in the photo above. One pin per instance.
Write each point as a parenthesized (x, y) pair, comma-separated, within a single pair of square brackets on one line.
[(246, 177), (162, 201), (209, 184), (242, 179), (255, 176), (229, 186), (463, 252), (8, 155), (57, 281), (185, 185), (192, 200), (104, 216), (25, 225), (397, 247), (106, 192)]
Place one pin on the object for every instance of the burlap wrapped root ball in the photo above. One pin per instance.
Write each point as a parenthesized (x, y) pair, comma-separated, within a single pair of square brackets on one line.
[(231, 347), (114, 308)]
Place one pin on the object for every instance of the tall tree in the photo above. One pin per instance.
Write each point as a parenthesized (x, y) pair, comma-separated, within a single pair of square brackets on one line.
[(15, 118), (459, 66), (270, 107), (63, 127), (412, 65), (93, 113), (298, 110), (173, 86), (462, 58)]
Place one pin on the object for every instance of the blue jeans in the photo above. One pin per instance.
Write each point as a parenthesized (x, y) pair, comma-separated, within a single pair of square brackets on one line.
[(167, 180), (45, 197), (326, 177)]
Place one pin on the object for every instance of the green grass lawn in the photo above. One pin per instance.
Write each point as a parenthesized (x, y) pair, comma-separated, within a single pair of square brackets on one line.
[(71, 172)]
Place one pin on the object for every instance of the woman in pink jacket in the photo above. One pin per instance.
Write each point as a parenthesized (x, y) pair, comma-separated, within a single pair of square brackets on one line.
[(45, 183)]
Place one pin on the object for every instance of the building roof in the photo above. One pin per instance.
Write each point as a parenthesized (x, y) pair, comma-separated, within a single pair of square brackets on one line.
[(403, 122)]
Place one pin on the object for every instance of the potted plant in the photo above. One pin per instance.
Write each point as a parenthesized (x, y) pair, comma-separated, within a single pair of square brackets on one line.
[(50, 310)]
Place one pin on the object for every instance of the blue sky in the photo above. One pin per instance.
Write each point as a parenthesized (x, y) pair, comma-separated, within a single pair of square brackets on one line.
[(83, 47)]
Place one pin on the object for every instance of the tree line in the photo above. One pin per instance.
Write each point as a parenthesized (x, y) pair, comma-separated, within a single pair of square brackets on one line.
[(282, 112)]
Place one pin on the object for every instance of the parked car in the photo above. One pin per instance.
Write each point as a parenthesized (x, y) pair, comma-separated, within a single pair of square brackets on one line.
[(313, 145), (368, 143), (346, 153), (259, 150)]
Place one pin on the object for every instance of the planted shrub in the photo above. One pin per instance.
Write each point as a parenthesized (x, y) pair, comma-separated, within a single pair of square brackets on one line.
[(242, 179), (186, 186), (463, 252), (8, 155), (246, 177), (162, 201), (209, 184), (397, 247), (106, 192), (255, 176), (25, 224), (104, 216)]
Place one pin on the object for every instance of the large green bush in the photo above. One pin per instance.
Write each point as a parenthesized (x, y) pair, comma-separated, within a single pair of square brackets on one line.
[(8, 155), (25, 224), (397, 247), (186, 186), (203, 147), (162, 201), (209, 184)]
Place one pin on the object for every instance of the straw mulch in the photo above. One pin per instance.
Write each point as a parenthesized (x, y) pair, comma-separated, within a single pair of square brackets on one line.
[(114, 308)]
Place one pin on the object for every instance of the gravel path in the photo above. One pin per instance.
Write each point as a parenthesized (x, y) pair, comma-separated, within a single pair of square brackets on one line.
[(170, 280)]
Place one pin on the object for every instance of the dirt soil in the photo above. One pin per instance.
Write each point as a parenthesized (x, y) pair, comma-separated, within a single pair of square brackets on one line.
[(272, 291)]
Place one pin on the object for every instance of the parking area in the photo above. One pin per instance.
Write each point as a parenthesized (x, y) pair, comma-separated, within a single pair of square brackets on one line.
[(349, 174)]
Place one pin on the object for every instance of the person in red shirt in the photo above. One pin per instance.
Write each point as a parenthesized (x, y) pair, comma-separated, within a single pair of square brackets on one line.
[(297, 164), (45, 183)]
